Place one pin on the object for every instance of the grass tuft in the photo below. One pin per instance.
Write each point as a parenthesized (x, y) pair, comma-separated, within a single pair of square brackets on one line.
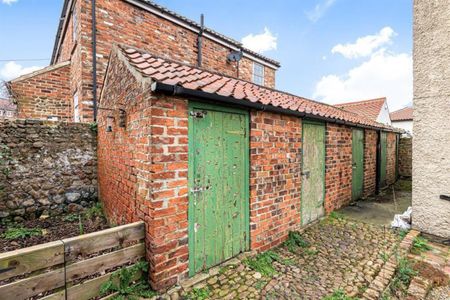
[(339, 295), (295, 241), (13, 233), (198, 294), (262, 263), (420, 245)]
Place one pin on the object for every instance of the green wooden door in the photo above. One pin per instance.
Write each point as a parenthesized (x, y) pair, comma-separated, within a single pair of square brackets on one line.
[(357, 163), (218, 185), (313, 172), (383, 145)]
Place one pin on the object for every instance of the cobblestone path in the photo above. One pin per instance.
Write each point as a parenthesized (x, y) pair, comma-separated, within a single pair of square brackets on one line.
[(341, 254)]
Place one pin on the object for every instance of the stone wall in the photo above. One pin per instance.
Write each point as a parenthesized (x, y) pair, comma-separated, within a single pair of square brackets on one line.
[(431, 148), (47, 168), (405, 157)]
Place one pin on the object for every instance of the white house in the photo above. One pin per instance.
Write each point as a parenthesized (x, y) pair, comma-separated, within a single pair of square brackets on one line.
[(403, 118)]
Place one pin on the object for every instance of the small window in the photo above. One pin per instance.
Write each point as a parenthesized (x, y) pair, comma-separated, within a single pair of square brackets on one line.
[(76, 111), (258, 73)]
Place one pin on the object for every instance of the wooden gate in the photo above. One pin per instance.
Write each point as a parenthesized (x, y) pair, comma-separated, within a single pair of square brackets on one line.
[(313, 171), (383, 161), (218, 184), (357, 163)]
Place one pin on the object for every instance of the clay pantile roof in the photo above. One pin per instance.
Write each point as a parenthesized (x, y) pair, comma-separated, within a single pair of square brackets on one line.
[(368, 108), (173, 73), (403, 114)]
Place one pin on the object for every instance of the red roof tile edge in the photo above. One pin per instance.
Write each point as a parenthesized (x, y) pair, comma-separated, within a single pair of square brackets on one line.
[(174, 73), (404, 114)]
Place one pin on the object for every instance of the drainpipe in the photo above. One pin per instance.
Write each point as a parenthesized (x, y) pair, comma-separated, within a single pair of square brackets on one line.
[(200, 41), (94, 60)]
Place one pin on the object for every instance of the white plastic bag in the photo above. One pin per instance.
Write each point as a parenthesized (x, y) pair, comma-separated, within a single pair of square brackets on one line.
[(402, 221)]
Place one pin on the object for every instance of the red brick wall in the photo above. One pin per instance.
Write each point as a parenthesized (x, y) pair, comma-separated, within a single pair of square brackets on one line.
[(405, 157), (338, 170), (275, 181), (391, 157), (370, 162), (44, 93), (123, 23)]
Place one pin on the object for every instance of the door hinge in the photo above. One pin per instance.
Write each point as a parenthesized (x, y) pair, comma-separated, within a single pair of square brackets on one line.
[(198, 114)]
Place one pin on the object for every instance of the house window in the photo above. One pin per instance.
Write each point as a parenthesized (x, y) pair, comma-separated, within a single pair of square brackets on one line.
[(76, 111), (258, 73)]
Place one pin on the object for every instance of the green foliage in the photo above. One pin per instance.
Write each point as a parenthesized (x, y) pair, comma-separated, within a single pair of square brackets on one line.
[(95, 211), (262, 263), (93, 127), (384, 256), (420, 245), (405, 272), (311, 252), (295, 241), (71, 217), (198, 294), (123, 282), (13, 233), (334, 215), (339, 295), (402, 233)]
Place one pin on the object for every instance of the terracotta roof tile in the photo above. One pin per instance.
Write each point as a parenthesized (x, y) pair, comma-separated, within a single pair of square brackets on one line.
[(403, 114), (169, 72), (368, 108)]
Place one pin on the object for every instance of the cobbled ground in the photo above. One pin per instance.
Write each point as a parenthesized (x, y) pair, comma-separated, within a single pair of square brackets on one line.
[(342, 254)]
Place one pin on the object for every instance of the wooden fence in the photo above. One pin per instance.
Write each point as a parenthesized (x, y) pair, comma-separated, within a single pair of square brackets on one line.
[(51, 270)]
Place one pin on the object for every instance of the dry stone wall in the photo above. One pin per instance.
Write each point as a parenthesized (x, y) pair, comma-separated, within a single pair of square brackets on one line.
[(46, 168)]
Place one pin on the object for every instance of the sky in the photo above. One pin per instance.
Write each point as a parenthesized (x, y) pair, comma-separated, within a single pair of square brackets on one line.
[(330, 50)]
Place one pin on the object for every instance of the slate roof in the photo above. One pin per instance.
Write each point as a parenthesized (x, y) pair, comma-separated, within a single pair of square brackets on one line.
[(175, 73), (369, 108), (404, 114)]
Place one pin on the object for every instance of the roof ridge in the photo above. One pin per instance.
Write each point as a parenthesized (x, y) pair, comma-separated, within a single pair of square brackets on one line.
[(361, 101)]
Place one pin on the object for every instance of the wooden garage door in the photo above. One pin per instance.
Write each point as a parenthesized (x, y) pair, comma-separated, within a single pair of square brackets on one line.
[(218, 185), (383, 159), (357, 163), (313, 171)]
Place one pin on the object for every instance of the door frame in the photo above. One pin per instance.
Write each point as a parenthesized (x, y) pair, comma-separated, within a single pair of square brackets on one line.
[(324, 124), (363, 148), (192, 104)]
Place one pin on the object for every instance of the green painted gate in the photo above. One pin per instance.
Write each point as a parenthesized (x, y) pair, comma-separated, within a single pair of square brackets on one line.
[(383, 161), (313, 171), (357, 163), (218, 184)]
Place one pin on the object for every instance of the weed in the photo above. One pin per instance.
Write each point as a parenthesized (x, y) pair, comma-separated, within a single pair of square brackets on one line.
[(223, 270), (260, 284), (80, 225), (420, 245), (93, 127), (71, 218), (295, 241), (198, 294), (13, 233), (94, 211), (262, 263), (402, 233), (125, 285), (311, 252), (384, 256), (338, 295), (334, 215), (405, 272)]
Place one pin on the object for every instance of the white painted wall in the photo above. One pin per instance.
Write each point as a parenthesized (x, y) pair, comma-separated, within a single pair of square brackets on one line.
[(384, 117), (406, 125)]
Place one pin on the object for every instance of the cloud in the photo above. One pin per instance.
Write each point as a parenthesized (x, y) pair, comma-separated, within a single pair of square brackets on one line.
[(319, 10), (9, 2), (383, 74), (365, 46), (13, 70), (260, 43)]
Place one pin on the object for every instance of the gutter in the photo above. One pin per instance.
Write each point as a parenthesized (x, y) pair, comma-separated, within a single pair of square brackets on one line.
[(176, 90)]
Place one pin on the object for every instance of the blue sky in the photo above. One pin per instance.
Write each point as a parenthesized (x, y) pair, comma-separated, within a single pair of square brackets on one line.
[(303, 32)]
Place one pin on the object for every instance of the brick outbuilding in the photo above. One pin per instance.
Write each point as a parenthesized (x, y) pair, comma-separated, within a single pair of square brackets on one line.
[(216, 165)]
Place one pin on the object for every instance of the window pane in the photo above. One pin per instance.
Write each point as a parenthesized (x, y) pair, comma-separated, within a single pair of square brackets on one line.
[(258, 73)]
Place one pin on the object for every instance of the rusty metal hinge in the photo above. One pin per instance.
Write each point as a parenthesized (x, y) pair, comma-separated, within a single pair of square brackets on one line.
[(198, 114)]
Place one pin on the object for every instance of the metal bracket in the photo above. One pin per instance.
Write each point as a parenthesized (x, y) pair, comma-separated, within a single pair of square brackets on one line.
[(445, 197), (198, 114)]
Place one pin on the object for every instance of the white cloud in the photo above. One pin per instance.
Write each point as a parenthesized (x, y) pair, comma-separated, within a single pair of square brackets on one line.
[(9, 2), (260, 43), (13, 70), (385, 74), (319, 10), (365, 46)]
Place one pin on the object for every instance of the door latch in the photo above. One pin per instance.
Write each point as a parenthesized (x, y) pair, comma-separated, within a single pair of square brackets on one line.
[(353, 165), (198, 114), (306, 173), (198, 189)]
